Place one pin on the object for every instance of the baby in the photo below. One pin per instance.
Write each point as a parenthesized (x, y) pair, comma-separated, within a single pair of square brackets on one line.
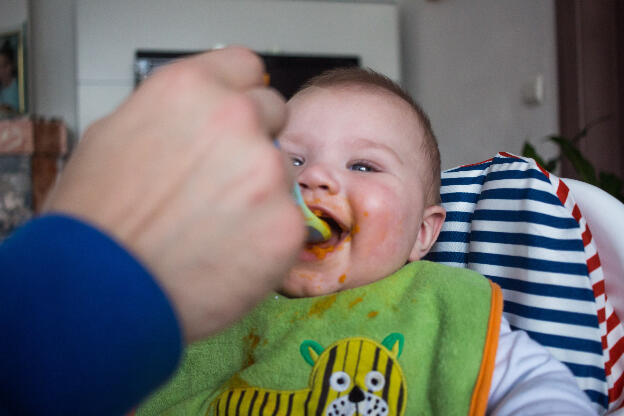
[(367, 160), (362, 326)]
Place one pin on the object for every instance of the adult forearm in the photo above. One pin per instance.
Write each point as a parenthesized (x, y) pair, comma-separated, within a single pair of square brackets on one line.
[(85, 327)]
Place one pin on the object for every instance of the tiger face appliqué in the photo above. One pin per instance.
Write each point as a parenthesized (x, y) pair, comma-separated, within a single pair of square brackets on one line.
[(352, 377)]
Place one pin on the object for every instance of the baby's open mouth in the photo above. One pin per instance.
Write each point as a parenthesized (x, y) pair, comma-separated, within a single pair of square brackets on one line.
[(338, 230)]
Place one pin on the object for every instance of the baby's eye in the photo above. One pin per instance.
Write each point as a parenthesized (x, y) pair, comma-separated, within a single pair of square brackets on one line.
[(363, 166), (296, 161)]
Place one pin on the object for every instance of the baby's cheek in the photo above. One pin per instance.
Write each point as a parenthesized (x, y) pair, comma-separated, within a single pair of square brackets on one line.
[(380, 215), (379, 237), (382, 227)]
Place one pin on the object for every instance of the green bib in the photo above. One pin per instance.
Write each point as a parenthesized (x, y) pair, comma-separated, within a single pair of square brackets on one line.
[(410, 344)]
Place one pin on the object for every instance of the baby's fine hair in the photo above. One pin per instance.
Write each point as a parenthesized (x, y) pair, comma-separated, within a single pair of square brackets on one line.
[(366, 77)]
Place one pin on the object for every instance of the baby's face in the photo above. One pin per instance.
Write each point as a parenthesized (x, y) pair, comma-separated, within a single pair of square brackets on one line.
[(356, 154)]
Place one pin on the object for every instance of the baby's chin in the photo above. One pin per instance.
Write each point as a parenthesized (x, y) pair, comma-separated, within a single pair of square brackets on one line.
[(300, 285), (306, 291), (306, 285)]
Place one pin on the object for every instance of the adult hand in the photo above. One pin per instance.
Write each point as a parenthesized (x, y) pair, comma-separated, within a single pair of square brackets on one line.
[(184, 175)]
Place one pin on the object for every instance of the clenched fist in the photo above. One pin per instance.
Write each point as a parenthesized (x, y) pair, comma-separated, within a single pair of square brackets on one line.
[(185, 176)]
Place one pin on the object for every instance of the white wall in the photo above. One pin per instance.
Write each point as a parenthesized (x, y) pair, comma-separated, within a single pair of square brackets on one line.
[(466, 61), (108, 35), (12, 14), (53, 60)]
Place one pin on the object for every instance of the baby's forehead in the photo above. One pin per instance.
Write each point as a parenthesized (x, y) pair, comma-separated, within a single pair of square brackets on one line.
[(391, 100), (356, 94)]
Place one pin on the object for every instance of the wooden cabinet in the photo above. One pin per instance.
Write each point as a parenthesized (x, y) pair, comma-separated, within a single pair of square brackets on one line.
[(32, 153)]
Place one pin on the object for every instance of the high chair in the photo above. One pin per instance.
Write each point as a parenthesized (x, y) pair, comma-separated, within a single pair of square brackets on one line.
[(522, 227), (605, 216)]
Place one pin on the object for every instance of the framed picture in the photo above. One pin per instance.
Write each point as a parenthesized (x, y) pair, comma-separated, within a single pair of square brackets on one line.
[(12, 73)]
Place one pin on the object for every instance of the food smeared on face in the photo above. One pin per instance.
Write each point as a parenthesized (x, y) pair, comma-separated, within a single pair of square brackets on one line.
[(318, 251), (340, 234)]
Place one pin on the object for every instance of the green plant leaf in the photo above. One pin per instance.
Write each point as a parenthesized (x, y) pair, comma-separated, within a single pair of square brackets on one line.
[(611, 184), (551, 165), (568, 149), (590, 126), (529, 151), (582, 166)]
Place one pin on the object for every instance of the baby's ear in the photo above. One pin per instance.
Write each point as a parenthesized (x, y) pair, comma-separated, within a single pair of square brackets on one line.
[(433, 217)]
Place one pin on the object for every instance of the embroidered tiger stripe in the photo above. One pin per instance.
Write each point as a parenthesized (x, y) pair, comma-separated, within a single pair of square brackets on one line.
[(354, 376), (246, 402)]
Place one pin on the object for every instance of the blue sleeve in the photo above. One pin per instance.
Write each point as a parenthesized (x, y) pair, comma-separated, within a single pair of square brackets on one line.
[(84, 328)]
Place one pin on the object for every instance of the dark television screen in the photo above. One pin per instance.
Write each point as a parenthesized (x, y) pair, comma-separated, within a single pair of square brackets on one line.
[(286, 73)]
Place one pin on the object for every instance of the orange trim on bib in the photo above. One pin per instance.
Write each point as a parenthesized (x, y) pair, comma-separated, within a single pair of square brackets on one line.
[(478, 402)]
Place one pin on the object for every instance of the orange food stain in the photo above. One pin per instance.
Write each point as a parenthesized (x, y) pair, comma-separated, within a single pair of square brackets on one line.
[(319, 307), (366, 213), (320, 252), (305, 276), (237, 382), (356, 229), (253, 340), (296, 317), (250, 360), (342, 278), (355, 302), (317, 212), (373, 314)]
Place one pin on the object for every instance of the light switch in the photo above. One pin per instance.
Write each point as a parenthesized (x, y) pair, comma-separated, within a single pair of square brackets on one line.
[(533, 91)]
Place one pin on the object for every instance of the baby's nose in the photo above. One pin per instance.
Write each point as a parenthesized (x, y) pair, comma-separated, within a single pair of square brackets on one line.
[(318, 178)]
